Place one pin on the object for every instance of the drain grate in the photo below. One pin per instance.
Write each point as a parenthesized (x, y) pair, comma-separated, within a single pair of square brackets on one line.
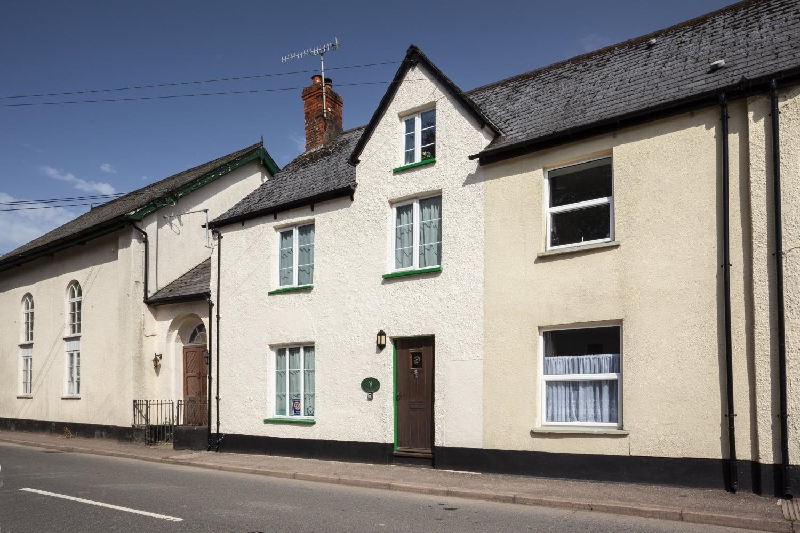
[(791, 510)]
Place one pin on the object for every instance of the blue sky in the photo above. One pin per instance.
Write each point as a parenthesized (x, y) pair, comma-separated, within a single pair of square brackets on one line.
[(70, 150)]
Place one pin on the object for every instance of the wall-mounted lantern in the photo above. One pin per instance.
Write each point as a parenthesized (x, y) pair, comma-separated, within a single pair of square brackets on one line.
[(381, 340), (157, 360)]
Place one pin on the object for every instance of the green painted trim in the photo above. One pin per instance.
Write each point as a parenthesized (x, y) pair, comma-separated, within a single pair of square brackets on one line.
[(413, 165), (302, 421), (394, 400), (170, 199), (292, 289), (416, 272)]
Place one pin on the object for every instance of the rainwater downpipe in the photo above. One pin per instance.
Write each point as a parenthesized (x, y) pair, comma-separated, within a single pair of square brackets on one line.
[(219, 266), (786, 485), (726, 267), (210, 379), (146, 258)]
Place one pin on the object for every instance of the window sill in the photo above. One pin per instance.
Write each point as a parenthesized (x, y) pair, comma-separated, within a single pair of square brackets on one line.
[(291, 289), (414, 165), (72, 336), (26, 344), (70, 397), (579, 248), (580, 431), (287, 420), (415, 272), (25, 396)]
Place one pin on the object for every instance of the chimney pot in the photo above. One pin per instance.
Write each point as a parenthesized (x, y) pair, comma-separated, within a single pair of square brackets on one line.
[(316, 79)]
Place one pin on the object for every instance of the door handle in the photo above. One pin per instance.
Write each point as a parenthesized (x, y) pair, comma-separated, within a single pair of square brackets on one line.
[(399, 395)]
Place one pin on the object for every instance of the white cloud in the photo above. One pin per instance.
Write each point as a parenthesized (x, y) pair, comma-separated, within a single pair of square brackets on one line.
[(106, 167), (594, 41), (82, 185), (298, 141), (145, 178), (19, 227)]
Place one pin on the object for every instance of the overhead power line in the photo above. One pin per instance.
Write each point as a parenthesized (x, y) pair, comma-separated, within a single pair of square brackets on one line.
[(65, 199), (184, 83), (174, 96), (44, 207)]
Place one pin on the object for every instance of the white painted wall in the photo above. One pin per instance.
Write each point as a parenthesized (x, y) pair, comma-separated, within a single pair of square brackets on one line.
[(350, 301)]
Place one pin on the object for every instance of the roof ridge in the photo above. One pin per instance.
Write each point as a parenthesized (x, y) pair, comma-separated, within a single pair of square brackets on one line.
[(626, 43)]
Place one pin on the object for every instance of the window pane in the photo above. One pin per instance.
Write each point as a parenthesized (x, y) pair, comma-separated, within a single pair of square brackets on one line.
[(409, 122), (579, 183), (294, 377), (582, 341), (286, 258), (308, 381), (582, 401), (409, 141), (77, 372), (429, 119), (589, 224), (404, 236), (280, 382), (305, 255), (430, 232)]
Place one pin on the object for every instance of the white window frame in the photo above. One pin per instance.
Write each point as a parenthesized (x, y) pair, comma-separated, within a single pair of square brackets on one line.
[(417, 117), (74, 328), (27, 318), (550, 211), (72, 371), (26, 355), (417, 219), (295, 254), (543, 379), (286, 384)]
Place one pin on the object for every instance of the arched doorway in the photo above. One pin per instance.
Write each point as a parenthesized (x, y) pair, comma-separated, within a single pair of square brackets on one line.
[(195, 379)]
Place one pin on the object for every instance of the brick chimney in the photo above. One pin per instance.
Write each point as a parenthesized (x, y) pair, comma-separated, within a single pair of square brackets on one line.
[(319, 129)]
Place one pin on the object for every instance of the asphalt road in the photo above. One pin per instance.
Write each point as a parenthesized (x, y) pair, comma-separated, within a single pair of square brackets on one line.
[(50, 491)]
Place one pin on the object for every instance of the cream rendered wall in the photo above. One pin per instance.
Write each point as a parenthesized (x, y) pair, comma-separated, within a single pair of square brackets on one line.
[(350, 301), (110, 300), (178, 240), (663, 284), (764, 300)]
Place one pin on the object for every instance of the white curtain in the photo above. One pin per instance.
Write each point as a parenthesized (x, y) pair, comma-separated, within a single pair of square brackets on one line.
[(430, 232), (308, 381), (280, 382), (582, 401), (305, 255), (286, 259), (404, 236)]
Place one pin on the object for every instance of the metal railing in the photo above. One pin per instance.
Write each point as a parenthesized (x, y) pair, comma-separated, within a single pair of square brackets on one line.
[(157, 419), (192, 412)]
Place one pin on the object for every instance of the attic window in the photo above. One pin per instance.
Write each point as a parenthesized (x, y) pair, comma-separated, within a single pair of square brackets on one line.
[(419, 137)]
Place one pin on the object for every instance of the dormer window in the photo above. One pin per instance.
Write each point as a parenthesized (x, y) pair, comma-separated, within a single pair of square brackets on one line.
[(419, 137)]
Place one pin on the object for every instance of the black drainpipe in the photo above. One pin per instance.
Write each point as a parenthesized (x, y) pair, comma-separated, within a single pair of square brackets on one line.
[(726, 266), (146, 258), (210, 379), (776, 175), (219, 266)]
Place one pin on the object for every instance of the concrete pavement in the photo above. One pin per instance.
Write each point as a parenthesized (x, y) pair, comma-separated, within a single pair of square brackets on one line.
[(713, 507)]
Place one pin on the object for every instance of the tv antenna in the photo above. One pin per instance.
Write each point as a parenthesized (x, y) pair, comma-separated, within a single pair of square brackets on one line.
[(316, 51)]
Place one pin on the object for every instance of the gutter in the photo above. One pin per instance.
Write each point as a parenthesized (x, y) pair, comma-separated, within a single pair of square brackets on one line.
[(786, 485), (146, 259), (164, 300), (726, 268), (311, 200), (743, 89)]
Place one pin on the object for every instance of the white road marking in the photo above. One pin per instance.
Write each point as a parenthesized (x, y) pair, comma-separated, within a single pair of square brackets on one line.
[(100, 504)]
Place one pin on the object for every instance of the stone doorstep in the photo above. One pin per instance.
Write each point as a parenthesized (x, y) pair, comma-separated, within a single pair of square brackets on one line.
[(618, 508)]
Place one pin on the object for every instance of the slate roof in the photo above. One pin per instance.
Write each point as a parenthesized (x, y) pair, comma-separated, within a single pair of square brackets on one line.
[(757, 39), (193, 285), (114, 214), (313, 176)]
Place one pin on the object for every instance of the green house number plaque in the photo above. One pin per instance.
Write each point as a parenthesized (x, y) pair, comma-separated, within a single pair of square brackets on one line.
[(370, 385)]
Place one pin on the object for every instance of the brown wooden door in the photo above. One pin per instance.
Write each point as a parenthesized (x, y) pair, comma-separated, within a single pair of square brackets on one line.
[(415, 364), (195, 386)]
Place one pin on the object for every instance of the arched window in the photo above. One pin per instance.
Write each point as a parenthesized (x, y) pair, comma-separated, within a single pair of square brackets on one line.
[(27, 318), (75, 299), (198, 336)]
